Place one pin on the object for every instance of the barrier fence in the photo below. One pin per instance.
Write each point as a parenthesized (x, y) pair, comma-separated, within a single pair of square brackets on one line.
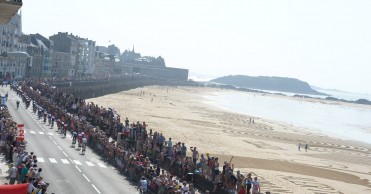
[(134, 170)]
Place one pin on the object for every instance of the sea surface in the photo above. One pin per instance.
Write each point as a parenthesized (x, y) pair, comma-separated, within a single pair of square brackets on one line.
[(349, 123)]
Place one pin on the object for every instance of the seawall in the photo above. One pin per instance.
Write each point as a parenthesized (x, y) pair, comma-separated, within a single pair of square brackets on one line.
[(95, 88)]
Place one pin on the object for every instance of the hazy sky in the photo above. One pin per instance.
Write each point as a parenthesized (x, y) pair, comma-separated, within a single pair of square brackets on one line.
[(326, 43)]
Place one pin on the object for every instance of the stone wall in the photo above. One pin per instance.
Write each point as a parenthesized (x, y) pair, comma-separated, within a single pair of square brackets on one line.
[(95, 88)]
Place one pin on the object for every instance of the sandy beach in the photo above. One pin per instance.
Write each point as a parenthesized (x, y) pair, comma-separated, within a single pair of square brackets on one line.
[(266, 148)]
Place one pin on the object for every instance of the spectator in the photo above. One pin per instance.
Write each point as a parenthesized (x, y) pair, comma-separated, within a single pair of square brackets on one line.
[(12, 174), (255, 186)]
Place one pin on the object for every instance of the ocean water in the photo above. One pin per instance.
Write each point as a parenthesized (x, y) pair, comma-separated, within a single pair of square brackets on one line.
[(350, 123), (346, 95)]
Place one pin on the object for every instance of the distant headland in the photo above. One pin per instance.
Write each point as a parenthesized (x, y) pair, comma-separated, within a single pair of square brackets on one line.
[(300, 88), (280, 84)]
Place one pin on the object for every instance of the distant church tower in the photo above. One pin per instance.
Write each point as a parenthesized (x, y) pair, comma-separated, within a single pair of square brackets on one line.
[(133, 49)]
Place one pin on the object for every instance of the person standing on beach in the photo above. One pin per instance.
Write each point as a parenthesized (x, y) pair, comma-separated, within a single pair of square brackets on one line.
[(160, 142), (183, 150), (255, 186), (170, 147), (194, 154), (306, 147), (248, 182), (299, 145)]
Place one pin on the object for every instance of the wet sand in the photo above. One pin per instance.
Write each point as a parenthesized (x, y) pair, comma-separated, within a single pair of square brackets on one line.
[(266, 148)]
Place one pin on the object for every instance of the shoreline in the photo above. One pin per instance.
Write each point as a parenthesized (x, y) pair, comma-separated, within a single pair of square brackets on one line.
[(179, 113), (361, 131), (328, 98)]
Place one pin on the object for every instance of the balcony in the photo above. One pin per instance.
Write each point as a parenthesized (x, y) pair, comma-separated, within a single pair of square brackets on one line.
[(8, 8)]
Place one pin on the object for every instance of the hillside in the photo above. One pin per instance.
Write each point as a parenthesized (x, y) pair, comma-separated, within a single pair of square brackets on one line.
[(282, 84)]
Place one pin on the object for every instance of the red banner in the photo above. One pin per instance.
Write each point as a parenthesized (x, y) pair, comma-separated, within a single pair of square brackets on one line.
[(14, 189), (20, 132)]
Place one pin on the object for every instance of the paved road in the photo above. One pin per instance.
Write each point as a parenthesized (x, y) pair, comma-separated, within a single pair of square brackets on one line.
[(64, 167)]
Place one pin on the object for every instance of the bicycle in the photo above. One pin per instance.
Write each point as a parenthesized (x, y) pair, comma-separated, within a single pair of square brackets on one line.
[(73, 142), (83, 149)]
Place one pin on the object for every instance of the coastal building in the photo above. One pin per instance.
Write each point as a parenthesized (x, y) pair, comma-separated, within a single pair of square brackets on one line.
[(81, 50), (107, 60), (61, 64), (106, 64), (113, 50), (135, 63), (128, 56), (101, 49), (9, 34), (41, 50)]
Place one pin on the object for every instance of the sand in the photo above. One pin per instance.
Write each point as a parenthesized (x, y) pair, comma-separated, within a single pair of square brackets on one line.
[(267, 148)]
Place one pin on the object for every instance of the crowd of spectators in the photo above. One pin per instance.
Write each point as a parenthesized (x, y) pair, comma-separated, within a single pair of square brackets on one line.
[(23, 166), (144, 155)]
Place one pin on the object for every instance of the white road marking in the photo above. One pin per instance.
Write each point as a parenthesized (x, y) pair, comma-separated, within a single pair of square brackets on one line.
[(59, 148), (70, 160), (65, 154), (78, 168), (89, 163), (53, 160), (86, 178), (40, 159), (101, 165), (54, 142), (24, 132), (65, 161), (77, 162), (50, 137), (41, 133), (95, 188), (32, 132), (50, 133)]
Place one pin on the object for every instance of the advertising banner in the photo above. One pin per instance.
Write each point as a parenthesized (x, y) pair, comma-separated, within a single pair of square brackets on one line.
[(20, 132)]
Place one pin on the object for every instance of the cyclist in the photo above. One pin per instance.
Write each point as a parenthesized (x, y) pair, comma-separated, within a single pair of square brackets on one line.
[(61, 127), (39, 112), (79, 139), (74, 136), (50, 119), (34, 107), (45, 114), (53, 120), (28, 101), (65, 130), (18, 104), (84, 142)]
